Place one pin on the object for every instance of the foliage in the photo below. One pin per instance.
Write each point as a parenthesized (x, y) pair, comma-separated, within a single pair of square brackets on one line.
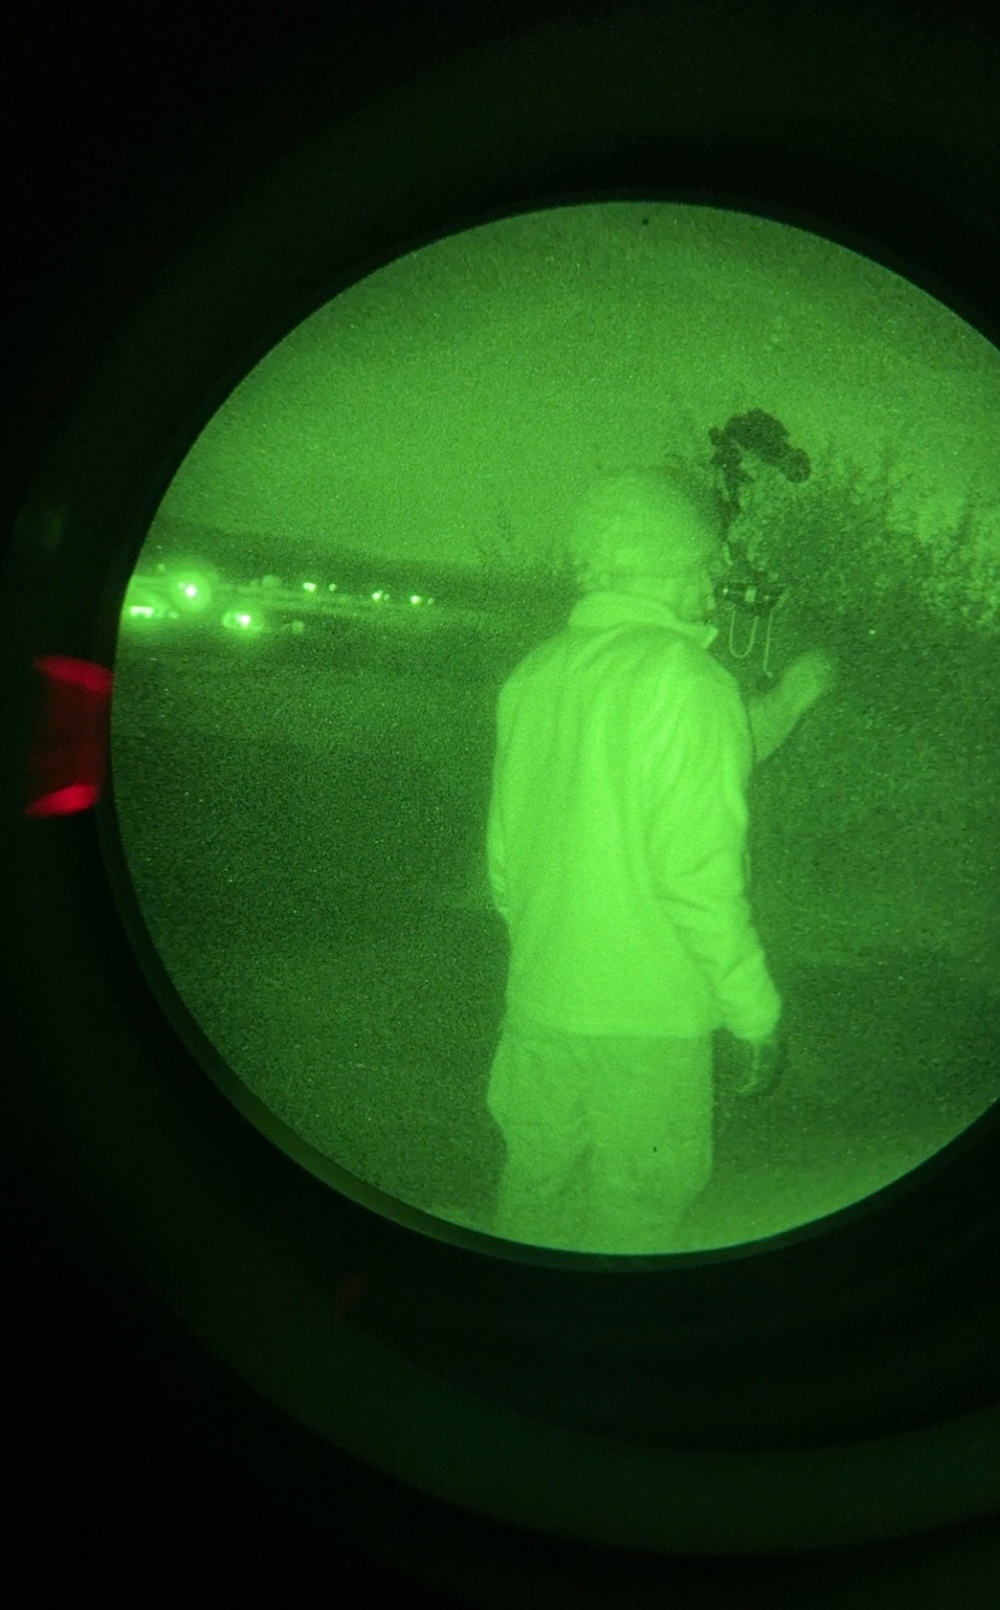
[(836, 541)]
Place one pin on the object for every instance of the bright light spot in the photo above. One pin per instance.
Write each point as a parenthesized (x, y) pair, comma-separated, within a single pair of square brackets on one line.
[(190, 591), (378, 596), (240, 620), (309, 586), (415, 598), (142, 609)]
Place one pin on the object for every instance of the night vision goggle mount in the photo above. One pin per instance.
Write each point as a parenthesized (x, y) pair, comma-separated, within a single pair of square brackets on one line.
[(746, 587)]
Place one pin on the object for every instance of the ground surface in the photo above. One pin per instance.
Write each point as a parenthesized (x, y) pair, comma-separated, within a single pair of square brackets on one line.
[(304, 850), (378, 1054)]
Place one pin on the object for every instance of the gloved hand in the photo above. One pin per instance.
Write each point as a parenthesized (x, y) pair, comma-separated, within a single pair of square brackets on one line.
[(809, 678), (764, 1064)]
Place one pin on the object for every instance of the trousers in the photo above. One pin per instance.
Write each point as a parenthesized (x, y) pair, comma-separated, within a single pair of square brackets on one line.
[(608, 1139)]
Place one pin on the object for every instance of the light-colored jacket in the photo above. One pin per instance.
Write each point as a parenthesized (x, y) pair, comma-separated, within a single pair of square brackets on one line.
[(617, 837)]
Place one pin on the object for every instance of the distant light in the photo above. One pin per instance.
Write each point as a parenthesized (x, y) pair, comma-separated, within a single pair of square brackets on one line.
[(378, 596), (192, 590), (240, 620), (415, 598), (309, 586), (142, 601), (333, 587)]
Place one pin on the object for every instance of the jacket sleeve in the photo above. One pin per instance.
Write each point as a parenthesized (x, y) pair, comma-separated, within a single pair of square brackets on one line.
[(698, 764)]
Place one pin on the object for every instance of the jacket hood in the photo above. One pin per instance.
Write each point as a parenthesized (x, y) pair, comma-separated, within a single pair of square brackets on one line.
[(599, 610)]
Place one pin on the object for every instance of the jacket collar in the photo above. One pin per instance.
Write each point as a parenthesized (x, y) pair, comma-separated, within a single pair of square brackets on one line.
[(601, 610)]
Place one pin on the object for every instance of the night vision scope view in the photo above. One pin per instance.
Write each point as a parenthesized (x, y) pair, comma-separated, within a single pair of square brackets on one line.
[(554, 738)]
